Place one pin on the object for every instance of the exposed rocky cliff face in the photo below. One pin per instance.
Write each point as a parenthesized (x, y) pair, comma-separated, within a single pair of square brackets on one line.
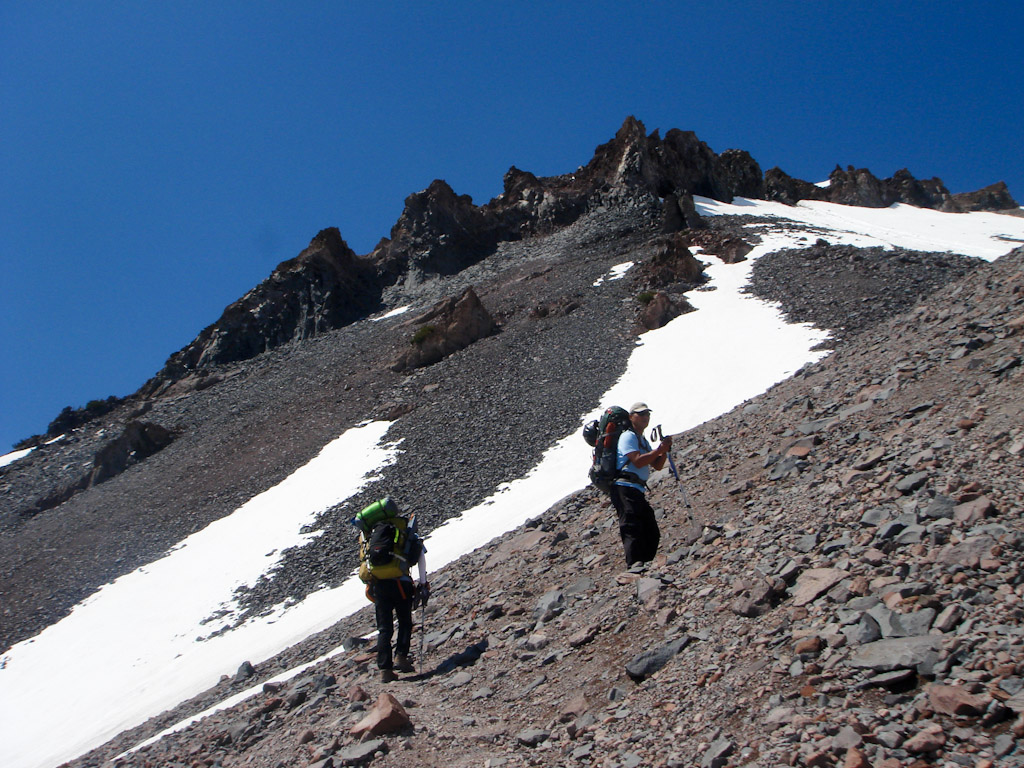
[(858, 186), (324, 287), (440, 233), (449, 326)]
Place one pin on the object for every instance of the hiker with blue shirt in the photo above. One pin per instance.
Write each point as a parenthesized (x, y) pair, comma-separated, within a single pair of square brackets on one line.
[(637, 524)]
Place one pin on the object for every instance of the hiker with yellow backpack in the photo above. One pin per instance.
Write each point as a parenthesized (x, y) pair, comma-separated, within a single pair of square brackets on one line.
[(388, 546)]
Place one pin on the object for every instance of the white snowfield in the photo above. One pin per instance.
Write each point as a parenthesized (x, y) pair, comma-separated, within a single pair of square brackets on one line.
[(138, 647)]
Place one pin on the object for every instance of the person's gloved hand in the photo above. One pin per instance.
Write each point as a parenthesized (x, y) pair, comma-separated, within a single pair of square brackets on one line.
[(422, 593)]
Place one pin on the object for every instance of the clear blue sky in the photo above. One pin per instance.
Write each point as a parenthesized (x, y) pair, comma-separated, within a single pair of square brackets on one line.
[(160, 159)]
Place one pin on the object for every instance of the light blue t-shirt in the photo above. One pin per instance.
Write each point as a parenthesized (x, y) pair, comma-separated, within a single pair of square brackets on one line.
[(630, 441)]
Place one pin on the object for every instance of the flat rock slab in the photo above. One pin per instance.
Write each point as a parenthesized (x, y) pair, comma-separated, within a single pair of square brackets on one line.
[(968, 552), (897, 653), (814, 582), (360, 754), (956, 700), (649, 662)]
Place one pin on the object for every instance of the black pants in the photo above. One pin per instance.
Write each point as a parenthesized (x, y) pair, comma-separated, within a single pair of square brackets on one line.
[(637, 525), (393, 598)]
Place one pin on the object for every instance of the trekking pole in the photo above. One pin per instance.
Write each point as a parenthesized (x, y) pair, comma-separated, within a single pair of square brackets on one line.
[(423, 631), (656, 434)]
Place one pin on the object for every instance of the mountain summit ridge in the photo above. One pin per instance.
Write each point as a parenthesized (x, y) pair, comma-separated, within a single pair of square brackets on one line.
[(440, 232)]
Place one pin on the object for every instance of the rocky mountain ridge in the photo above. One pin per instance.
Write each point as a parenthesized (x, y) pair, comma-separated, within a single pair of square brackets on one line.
[(440, 233), (840, 583)]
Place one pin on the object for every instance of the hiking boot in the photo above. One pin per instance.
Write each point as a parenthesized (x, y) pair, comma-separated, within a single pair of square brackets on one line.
[(403, 663), (638, 567), (388, 676)]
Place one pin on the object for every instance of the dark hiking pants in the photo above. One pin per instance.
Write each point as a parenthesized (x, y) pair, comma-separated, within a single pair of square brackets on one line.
[(393, 599), (637, 525)]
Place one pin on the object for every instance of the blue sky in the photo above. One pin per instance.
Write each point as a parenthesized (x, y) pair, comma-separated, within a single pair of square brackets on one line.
[(160, 159)]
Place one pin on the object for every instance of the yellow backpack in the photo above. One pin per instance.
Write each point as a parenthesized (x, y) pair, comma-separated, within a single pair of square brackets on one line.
[(384, 551)]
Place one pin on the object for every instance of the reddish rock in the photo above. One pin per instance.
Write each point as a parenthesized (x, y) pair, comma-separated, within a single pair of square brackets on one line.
[(814, 582), (955, 700), (450, 325), (575, 707), (357, 693), (808, 645), (387, 716), (855, 759), (661, 310), (974, 511), (928, 739)]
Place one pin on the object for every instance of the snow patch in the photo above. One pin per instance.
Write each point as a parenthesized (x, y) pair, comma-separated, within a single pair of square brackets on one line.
[(615, 273)]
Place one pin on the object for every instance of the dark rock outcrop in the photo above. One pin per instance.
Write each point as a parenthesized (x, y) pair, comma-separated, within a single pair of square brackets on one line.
[(924, 193), (995, 197), (679, 164), (783, 188), (679, 213), (136, 443), (438, 233), (858, 186), (661, 310), (449, 326), (324, 287), (672, 263), (730, 249)]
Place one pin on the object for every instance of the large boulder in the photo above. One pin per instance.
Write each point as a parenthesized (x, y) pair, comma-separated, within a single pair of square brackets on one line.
[(450, 325), (661, 310), (672, 263), (386, 716)]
